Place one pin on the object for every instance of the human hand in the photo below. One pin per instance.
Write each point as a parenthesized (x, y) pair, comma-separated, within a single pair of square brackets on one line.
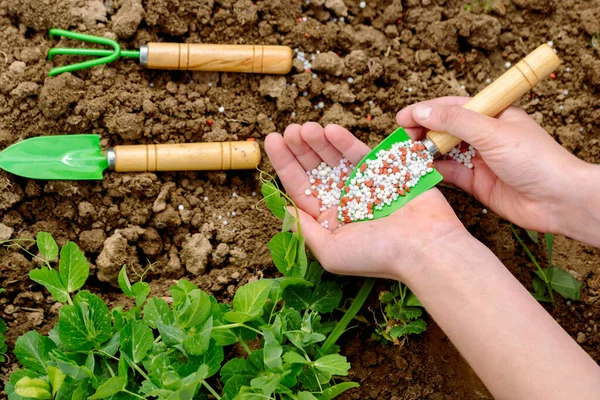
[(519, 171), (393, 247)]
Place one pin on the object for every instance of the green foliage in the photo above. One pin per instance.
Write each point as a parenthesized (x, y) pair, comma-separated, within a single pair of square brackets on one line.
[(165, 350), (551, 279), (402, 315)]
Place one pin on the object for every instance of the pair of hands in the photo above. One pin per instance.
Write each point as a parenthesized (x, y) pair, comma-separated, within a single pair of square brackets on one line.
[(519, 172)]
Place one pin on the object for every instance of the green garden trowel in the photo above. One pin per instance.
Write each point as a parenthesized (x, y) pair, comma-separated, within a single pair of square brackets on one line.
[(491, 101), (80, 157)]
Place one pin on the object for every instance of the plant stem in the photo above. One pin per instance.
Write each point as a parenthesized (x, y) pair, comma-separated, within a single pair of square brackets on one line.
[(357, 304), (210, 389), (231, 326), (532, 258), (245, 346), (133, 394)]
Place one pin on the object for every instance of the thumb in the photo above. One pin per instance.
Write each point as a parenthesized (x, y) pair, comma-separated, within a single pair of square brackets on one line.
[(477, 129)]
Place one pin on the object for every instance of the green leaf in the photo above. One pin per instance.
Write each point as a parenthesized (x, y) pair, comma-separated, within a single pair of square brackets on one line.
[(283, 247), (50, 279), (71, 369), (33, 351), (412, 301), (414, 327), (34, 388), (301, 265), (297, 297), (539, 287), (56, 378), (171, 335), (249, 301), (157, 310), (136, 340), (85, 324), (110, 347), (272, 351), (549, 239), (291, 357), (288, 221), (305, 396), (326, 297), (315, 270), (124, 282), (238, 367), (564, 283), (542, 297), (333, 364), (197, 342), (110, 387), (140, 290), (212, 359), (273, 199), (193, 310), (266, 383), (336, 390), (232, 386), (73, 267), (533, 235), (47, 245), (400, 313), (278, 286)]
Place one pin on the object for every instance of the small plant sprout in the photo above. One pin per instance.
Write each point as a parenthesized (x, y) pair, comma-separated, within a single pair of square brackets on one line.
[(401, 312), (551, 279)]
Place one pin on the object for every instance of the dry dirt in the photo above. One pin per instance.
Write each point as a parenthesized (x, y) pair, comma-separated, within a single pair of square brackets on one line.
[(433, 47)]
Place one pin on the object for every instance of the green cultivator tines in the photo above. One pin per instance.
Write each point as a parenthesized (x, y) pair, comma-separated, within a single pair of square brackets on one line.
[(256, 59)]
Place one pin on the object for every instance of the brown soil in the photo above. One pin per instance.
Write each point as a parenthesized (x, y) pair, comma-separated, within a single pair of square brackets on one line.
[(431, 46)]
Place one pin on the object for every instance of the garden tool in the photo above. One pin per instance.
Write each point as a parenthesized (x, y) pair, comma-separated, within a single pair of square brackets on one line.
[(491, 101), (257, 59), (80, 157)]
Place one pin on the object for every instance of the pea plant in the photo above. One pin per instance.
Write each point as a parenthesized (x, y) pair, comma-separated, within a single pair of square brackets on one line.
[(402, 315), (175, 348), (550, 279)]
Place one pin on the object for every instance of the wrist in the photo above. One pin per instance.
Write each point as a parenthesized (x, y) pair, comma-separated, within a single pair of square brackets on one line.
[(449, 245), (578, 216)]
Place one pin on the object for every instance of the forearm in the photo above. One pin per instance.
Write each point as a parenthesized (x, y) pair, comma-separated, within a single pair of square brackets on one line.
[(579, 215), (511, 342)]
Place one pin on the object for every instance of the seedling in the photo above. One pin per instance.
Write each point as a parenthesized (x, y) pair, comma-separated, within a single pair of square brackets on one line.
[(175, 350), (402, 315), (551, 279)]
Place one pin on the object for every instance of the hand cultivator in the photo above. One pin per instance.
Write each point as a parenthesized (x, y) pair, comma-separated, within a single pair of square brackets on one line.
[(80, 157), (257, 59), (398, 170)]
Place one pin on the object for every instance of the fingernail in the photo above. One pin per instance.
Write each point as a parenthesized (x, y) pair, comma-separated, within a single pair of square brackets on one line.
[(422, 112)]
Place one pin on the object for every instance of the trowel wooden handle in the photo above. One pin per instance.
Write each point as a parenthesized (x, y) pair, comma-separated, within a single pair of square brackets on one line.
[(505, 90), (255, 59), (187, 156)]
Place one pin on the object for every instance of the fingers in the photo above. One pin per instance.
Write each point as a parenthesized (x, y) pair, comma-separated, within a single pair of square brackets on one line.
[(314, 135), (303, 152), (292, 174), (346, 143), (405, 118), (478, 181), (483, 132)]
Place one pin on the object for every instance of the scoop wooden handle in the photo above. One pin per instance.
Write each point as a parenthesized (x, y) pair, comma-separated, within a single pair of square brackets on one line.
[(255, 59), (505, 90), (187, 156)]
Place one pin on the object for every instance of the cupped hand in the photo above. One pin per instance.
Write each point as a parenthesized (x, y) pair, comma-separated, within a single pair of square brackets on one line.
[(519, 171), (391, 247)]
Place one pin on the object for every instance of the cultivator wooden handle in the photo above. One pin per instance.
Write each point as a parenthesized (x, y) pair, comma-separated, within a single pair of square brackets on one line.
[(185, 157), (501, 93), (255, 59)]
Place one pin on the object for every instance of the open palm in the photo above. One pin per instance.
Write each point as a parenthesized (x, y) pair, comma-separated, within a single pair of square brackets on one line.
[(369, 248)]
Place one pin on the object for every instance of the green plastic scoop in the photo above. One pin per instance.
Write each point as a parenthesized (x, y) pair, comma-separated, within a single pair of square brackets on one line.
[(425, 183), (63, 157)]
